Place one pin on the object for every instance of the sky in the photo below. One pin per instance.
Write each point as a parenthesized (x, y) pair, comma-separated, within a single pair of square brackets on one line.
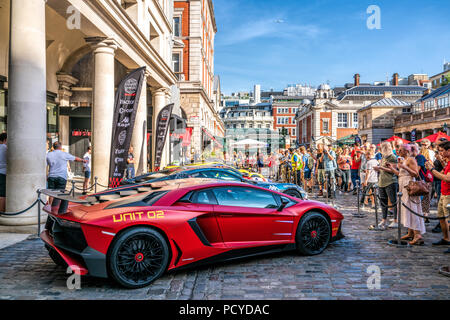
[(278, 42)]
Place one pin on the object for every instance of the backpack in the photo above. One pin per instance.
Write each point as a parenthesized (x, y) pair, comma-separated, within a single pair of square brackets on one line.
[(310, 162)]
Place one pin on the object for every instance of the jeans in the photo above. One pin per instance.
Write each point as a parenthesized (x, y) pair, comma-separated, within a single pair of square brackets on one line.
[(389, 192), (346, 177), (330, 176), (436, 189), (355, 177), (130, 173)]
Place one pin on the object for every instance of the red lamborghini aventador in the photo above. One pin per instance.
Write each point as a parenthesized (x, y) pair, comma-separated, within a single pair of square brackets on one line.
[(134, 236)]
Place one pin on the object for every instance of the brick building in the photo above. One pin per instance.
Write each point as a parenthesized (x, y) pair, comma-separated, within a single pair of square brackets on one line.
[(284, 109), (330, 117), (193, 55)]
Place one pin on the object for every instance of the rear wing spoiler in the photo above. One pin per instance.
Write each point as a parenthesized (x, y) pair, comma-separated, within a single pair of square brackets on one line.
[(62, 199)]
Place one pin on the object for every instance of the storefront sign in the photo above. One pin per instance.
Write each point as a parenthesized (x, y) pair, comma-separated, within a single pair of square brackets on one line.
[(126, 104), (81, 133), (162, 126)]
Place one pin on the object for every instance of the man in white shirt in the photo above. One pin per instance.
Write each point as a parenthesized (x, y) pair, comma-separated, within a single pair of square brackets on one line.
[(57, 163), (87, 169), (3, 151)]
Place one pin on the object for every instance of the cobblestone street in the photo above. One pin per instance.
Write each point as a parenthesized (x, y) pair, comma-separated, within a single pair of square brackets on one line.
[(27, 272)]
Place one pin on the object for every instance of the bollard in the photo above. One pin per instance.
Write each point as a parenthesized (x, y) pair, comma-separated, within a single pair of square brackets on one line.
[(399, 243), (39, 212), (358, 195), (95, 185), (399, 218), (73, 189), (375, 227)]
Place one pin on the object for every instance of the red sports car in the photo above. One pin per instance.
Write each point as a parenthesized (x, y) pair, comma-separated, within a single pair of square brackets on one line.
[(134, 236)]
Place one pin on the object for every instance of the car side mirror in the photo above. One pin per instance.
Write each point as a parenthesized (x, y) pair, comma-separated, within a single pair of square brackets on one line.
[(283, 205)]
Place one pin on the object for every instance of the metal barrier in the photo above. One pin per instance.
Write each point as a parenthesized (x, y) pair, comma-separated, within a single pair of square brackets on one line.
[(399, 243)]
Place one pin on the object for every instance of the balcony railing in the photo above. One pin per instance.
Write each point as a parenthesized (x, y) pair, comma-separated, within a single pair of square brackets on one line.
[(423, 117)]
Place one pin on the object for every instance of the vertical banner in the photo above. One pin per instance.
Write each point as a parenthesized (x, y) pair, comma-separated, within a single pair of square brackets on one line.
[(413, 135), (162, 126), (126, 104)]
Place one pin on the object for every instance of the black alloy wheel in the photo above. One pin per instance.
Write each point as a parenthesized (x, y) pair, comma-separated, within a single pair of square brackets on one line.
[(138, 257), (313, 234)]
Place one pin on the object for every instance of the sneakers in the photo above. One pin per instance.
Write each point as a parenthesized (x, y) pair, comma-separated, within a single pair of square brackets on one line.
[(382, 225), (393, 225)]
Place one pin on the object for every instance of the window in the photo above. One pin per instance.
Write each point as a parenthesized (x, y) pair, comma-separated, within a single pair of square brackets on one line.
[(342, 120), (245, 197), (326, 125), (176, 62), (293, 132), (355, 120), (177, 26)]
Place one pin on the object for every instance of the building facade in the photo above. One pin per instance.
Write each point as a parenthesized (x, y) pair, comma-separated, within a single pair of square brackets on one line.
[(257, 116), (195, 30), (330, 117), (284, 111), (377, 120), (441, 78), (60, 62), (430, 114)]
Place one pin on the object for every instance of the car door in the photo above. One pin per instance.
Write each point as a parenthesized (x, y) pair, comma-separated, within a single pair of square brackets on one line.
[(205, 225), (249, 216)]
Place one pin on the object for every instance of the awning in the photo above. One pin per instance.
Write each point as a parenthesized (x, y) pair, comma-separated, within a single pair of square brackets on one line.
[(212, 138)]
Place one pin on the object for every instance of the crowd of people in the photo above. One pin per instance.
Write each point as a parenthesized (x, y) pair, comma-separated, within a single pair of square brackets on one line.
[(378, 172)]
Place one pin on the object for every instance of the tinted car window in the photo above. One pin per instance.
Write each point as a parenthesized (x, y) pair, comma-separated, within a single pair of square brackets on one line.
[(244, 197), (227, 176)]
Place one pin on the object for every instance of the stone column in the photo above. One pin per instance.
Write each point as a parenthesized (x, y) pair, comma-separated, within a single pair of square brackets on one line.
[(26, 110), (65, 81), (139, 137), (159, 96), (102, 106)]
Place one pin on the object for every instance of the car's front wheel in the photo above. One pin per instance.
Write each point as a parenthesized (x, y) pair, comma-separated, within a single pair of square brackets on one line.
[(313, 234), (138, 257)]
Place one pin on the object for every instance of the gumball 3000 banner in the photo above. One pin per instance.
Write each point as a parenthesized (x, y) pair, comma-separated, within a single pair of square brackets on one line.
[(126, 104)]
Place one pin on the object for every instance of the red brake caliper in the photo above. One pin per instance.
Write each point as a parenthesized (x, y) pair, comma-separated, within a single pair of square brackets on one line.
[(139, 257)]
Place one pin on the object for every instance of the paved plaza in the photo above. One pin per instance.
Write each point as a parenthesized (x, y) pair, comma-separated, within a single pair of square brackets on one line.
[(341, 272)]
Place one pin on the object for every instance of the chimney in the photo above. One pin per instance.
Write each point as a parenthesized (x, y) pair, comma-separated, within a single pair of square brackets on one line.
[(395, 79), (356, 77), (387, 95)]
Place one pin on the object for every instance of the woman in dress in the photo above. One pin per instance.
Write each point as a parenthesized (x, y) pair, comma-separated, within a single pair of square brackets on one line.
[(408, 170)]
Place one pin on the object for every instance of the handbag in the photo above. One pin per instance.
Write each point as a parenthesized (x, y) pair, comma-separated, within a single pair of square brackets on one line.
[(417, 188), (428, 176)]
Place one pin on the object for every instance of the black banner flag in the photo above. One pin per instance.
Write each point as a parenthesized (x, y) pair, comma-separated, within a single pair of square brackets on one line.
[(126, 104), (162, 126)]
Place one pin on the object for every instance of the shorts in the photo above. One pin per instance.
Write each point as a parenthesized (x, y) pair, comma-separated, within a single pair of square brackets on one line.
[(442, 206), (320, 176), (307, 175), (87, 174), (2, 185), (56, 183)]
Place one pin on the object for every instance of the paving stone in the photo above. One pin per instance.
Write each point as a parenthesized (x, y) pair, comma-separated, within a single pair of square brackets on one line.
[(27, 272)]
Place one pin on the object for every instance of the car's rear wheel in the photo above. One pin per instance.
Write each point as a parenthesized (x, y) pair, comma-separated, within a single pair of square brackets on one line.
[(313, 234), (293, 193), (138, 257)]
